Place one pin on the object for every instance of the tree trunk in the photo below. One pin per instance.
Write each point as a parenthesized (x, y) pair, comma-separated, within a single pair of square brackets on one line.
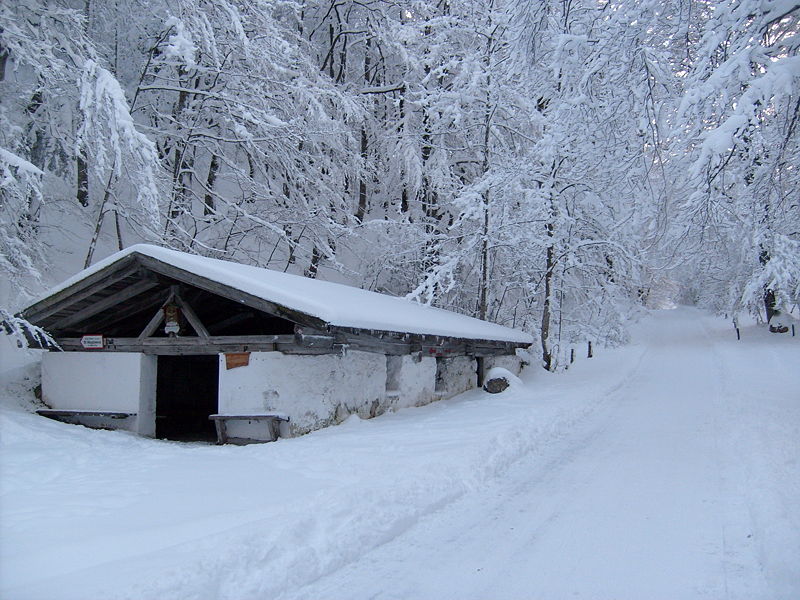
[(101, 214), (484, 291), (771, 305), (81, 164), (316, 257), (210, 180), (362, 183), (547, 357), (770, 302), (82, 169), (3, 58)]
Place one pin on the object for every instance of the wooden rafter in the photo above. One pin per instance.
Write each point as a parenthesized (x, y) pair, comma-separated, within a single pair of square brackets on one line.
[(190, 315), (130, 309), (80, 291), (176, 297), (97, 307)]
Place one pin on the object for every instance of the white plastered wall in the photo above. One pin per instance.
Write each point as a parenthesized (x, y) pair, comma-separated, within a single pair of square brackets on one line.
[(146, 420), (415, 381), (455, 375), (314, 391), (102, 381), (510, 361)]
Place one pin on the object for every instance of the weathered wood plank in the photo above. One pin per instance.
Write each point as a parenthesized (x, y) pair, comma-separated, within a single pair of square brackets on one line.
[(404, 343), (154, 322), (58, 412), (210, 345), (38, 312), (250, 417), (288, 344), (130, 309), (102, 305)]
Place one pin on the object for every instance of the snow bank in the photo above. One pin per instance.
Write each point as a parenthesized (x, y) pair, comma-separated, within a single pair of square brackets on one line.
[(86, 513)]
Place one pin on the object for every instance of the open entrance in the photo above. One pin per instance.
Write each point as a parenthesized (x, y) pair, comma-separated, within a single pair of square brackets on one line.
[(187, 392), (480, 368)]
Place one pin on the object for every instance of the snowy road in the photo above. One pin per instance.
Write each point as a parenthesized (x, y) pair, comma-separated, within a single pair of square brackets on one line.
[(668, 469), (649, 497)]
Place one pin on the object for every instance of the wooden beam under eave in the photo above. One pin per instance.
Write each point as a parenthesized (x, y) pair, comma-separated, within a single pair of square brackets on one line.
[(211, 345)]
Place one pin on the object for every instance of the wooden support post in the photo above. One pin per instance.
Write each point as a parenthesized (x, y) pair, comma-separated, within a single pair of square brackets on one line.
[(155, 321), (191, 316)]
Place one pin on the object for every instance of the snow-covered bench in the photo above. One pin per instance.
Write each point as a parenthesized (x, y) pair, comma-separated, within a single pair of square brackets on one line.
[(271, 421)]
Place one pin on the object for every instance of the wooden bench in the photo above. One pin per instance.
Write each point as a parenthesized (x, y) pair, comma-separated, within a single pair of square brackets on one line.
[(271, 421), (87, 418)]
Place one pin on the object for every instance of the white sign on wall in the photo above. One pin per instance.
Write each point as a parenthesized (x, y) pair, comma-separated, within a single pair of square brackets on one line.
[(93, 342)]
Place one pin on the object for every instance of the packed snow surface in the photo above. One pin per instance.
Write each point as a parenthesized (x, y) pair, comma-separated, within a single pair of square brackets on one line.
[(334, 303), (664, 470)]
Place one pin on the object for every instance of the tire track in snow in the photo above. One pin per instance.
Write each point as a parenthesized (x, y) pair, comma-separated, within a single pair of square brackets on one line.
[(542, 462), (756, 509)]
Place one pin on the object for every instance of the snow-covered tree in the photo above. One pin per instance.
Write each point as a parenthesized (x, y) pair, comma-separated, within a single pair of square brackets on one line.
[(739, 115), (60, 106)]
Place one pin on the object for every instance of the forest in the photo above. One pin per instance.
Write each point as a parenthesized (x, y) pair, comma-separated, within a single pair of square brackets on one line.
[(549, 165)]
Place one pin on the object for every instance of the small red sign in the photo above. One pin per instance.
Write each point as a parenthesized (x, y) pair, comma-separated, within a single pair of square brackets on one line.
[(93, 342), (236, 359)]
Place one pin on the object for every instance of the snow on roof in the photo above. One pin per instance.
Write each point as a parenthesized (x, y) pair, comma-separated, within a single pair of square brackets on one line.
[(334, 303)]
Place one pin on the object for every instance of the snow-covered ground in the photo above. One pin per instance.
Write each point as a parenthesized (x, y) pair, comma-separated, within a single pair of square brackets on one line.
[(667, 469)]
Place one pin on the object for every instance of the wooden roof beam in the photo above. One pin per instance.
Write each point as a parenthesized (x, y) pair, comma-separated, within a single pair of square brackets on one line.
[(130, 309), (81, 290), (190, 315), (232, 320), (102, 305)]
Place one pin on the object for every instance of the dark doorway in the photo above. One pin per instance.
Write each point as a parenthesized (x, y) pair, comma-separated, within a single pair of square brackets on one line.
[(187, 391)]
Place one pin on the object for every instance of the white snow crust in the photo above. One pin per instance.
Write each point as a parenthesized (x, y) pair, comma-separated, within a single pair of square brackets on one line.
[(664, 470), (334, 303)]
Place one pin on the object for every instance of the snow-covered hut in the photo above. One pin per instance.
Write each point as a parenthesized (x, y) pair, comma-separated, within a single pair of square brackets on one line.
[(170, 345)]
